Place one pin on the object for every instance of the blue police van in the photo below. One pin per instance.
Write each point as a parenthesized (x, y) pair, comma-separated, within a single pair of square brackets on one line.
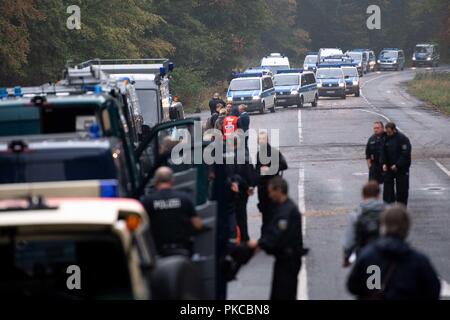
[(295, 87), (331, 81), (255, 90)]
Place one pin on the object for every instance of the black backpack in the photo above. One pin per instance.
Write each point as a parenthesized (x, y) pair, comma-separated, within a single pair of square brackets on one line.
[(367, 227)]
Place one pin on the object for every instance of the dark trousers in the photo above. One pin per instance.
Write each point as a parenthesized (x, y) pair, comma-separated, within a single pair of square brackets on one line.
[(376, 174), (241, 217), (396, 187), (285, 278)]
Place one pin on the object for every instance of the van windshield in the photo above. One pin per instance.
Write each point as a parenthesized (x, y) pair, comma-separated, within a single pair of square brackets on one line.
[(422, 49), (351, 72), (334, 73), (57, 165), (356, 56), (38, 268), (21, 120), (245, 85), (388, 54), (286, 80), (149, 106), (311, 59)]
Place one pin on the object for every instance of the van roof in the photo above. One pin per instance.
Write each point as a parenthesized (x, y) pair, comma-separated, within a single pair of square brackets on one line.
[(76, 212)]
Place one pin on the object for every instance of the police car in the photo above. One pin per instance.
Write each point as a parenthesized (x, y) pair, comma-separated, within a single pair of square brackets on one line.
[(331, 81), (391, 59), (426, 55), (352, 81), (360, 59), (275, 62), (295, 87), (86, 249), (254, 90), (311, 60)]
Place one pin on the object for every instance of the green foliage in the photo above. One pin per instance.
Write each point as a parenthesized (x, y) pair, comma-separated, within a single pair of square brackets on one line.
[(206, 38), (188, 85)]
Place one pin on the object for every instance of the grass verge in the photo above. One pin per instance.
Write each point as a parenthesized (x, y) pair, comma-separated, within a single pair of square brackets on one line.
[(433, 87)]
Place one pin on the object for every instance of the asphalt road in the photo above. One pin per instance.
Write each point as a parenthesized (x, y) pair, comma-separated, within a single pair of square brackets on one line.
[(325, 150)]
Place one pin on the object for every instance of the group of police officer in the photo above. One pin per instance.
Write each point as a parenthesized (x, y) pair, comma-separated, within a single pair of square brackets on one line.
[(388, 155)]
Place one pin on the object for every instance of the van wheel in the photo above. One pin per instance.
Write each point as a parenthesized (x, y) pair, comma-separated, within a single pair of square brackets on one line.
[(314, 103), (357, 93), (300, 104), (272, 110), (262, 110), (344, 96)]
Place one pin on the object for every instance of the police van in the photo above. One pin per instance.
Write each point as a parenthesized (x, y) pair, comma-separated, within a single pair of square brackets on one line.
[(254, 90), (360, 59), (331, 81), (328, 52), (275, 62), (295, 87), (352, 81), (310, 62), (150, 77), (391, 59), (426, 55)]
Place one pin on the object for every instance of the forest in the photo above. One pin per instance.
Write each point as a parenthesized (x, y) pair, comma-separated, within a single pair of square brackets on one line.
[(205, 38)]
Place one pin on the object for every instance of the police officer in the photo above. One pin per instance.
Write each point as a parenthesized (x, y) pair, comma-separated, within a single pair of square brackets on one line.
[(276, 160), (172, 215), (283, 239), (214, 102), (396, 160), (373, 152)]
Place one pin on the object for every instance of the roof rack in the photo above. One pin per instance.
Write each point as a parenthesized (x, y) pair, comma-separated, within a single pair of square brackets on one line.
[(127, 66), (249, 75)]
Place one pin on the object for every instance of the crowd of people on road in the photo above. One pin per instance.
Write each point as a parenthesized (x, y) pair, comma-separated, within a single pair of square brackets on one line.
[(376, 233)]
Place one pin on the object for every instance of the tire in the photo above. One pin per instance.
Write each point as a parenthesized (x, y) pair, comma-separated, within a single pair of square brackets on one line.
[(272, 110), (344, 96), (315, 102), (262, 110), (300, 105), (358, 93), (176, 278)]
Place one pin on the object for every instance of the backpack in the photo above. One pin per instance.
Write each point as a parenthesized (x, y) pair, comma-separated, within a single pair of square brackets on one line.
[(367, 227)]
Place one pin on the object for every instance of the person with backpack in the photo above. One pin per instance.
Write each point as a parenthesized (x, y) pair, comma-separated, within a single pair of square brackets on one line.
[(403, 272), (364, 224)]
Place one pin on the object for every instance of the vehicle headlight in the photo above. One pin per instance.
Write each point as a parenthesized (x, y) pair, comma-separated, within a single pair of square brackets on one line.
[(395, 61), (429, 58), (379, 61), (256, 98), (355, 82), (341, 84), (230, 99), (319, 85), (294, 92), (360, 64), (414, 58)]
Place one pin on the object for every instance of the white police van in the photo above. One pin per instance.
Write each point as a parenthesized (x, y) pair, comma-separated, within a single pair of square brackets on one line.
[(275, 62), (295, 87), (254, 90)]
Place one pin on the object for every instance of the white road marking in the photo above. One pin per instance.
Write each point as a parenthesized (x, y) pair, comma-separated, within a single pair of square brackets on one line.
[(441, 166), (300, 129), (445, 289), (302, 289), (376, 113)]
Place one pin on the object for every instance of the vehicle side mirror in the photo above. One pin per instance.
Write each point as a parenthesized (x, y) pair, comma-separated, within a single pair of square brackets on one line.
[(346, 77)]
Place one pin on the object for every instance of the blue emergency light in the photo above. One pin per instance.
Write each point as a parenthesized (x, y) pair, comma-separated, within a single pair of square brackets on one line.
[(250, 75), (323, 65), (3, 93), (96, 89), (109, 189), (162, 71), (290, 71), (18, 92), (94, 131), (171, 66)]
